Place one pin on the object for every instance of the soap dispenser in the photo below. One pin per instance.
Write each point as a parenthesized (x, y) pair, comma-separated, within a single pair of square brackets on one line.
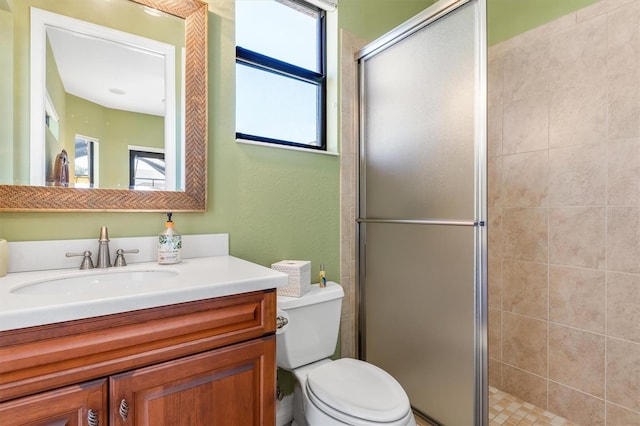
[(169, 244)]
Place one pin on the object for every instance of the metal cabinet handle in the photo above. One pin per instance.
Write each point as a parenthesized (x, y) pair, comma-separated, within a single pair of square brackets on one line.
[(124, 410), (92, 418)]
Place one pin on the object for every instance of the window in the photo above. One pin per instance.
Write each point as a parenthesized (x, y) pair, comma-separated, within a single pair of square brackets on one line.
[(281, 73), (51, 119), (84, 162), (146, 170)]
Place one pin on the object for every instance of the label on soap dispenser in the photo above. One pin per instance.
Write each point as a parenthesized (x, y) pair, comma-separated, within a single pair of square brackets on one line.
[(169, 247)]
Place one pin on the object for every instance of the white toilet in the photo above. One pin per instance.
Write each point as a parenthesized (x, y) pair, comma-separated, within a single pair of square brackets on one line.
[(342, 392)]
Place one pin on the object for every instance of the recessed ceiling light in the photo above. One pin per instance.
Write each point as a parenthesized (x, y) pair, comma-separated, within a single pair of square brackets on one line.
[(117, 91)]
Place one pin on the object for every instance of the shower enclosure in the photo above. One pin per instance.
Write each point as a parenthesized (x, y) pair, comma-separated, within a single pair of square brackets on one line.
[(564, 209), (422, 210)]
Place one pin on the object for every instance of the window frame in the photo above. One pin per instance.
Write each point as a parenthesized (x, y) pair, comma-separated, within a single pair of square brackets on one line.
[(284, 69), (133, 153), (90, 159)]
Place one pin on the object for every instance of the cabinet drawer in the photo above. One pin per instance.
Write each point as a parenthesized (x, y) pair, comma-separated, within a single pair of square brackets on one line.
[(52, 356), (69, 406)]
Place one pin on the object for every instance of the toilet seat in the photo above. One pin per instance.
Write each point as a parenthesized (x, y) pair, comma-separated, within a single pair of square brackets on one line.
[(356, 392)]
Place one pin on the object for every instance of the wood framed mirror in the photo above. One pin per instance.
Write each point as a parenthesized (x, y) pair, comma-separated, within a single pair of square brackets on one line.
[(194, 196)]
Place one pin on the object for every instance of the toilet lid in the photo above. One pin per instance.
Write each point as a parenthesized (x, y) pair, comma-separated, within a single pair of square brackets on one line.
[(358, 389)]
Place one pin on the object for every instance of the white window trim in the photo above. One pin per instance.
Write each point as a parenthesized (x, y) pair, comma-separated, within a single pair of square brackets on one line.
[(96, 157), (289, 147), (328, 5), (145, 149), (333, 111)]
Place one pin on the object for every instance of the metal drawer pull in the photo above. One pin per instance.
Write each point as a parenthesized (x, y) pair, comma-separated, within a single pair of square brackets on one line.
[(124, 409), (92, 418)]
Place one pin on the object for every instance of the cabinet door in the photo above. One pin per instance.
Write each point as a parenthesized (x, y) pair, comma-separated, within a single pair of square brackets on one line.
[(83, 404), (229, 386)]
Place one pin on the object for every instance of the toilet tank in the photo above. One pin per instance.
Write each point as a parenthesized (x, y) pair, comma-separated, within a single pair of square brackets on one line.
[(314, 323)]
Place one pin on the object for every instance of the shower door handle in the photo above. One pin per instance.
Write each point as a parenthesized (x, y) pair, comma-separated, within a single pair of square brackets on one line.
[(422, 222)]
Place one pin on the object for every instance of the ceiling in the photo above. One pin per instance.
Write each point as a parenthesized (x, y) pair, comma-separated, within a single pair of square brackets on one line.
[(112, 74)]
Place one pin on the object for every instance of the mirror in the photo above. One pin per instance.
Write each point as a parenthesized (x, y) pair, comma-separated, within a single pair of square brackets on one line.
[(180, 90), (109, 86)]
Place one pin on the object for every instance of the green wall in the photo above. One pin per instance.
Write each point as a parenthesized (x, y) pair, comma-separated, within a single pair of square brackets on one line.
[(6, 96), (507, 18), (369, 19)]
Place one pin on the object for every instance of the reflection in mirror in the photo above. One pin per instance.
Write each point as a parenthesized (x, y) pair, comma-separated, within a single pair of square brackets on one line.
[(189, 134), (115, 85), (86, 164), (147, 168)]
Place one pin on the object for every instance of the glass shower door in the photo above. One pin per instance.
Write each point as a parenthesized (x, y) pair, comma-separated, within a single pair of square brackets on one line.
[(421, 210)]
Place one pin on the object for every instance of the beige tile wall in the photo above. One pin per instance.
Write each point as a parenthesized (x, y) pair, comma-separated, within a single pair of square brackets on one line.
[(350, 44), (564, 215)]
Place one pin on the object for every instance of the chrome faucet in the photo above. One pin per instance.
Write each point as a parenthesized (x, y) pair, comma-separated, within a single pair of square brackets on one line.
[(104, 261), (87, 263)]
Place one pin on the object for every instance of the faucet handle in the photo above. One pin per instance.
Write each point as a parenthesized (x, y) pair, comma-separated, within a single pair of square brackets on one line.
[(120, 256), (87, 263)]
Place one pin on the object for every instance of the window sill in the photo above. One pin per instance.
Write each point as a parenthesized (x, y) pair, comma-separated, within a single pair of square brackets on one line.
[(291, 148)]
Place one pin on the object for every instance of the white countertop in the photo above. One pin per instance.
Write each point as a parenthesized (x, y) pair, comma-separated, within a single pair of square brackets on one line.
[(195, 279)]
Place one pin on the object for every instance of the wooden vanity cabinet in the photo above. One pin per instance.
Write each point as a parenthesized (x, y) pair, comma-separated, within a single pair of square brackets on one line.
[(76, 405), (210, 362), (221, 387)]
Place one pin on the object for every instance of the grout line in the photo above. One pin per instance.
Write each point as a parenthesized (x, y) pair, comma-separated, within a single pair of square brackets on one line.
[(548, 257)]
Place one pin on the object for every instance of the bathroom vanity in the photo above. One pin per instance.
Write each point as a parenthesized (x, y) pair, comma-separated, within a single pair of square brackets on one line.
[(143, 360), (205, 362)]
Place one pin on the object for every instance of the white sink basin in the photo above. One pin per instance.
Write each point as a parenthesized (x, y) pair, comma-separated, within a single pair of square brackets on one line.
[(95, 282), (52, 296)]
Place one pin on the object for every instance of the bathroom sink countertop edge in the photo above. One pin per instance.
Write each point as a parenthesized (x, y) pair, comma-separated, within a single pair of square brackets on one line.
[(190, 280)]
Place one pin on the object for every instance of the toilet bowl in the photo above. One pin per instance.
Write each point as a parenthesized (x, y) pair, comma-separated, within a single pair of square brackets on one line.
[(341, 392)]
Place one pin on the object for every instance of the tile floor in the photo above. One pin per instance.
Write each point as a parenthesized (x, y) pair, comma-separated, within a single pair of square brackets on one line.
[(507, 410)]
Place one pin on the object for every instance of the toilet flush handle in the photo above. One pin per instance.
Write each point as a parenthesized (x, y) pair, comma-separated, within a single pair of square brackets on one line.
[(281, 322)]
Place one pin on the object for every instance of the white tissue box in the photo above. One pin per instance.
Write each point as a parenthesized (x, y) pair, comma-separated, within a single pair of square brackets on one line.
[(299, 272)]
